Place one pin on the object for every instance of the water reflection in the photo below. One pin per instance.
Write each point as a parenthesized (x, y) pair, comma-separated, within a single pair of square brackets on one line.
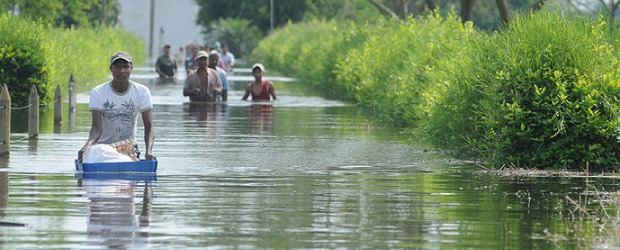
[(162, 81), (33, 145), (72, 121), (58, 128), (202, 111), (4, 186), (261, 118), (210, 117), (112, 218)]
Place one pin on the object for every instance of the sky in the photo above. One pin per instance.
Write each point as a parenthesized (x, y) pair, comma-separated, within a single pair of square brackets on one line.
[(174, 23)]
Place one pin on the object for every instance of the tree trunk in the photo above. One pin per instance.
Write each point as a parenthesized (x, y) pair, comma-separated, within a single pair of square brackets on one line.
[(401, 8), (431, 5), (504, 11), (537, 5), (467, 10), (612, 13), (383, 9)]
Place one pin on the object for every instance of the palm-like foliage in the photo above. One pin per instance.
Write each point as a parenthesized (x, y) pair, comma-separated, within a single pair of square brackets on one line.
[(239, 34)]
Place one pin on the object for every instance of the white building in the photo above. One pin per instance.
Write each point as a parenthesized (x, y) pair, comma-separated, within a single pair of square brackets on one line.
[(174, 23)]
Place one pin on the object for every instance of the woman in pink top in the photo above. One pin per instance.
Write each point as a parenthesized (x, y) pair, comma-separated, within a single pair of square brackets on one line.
[(259, 89)]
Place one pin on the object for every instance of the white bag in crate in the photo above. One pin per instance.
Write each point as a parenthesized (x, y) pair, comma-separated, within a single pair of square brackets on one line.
[(104, 153)]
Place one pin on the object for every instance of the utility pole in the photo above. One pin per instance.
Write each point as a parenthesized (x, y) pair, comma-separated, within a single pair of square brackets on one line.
[(103, 13), (271, 14), (151, 30)]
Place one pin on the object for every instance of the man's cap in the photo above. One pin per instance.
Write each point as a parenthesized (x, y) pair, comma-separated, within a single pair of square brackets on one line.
[(120, 55), (201, 54), (258, 65), (214, 52)]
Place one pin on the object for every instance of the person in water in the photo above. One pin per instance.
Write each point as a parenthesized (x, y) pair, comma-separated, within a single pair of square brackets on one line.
[(166, 64), (214, 58), (115, 106), (261, 90), (202, 84)]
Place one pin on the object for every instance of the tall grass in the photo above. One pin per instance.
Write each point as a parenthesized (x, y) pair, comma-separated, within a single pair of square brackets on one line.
[(543, 94), (592, 220), (399, 72), (44, 56), (310, 51), (89, 57), (394, 70)]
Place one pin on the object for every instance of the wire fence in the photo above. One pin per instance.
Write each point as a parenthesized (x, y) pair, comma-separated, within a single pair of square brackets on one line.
[(30, 105)]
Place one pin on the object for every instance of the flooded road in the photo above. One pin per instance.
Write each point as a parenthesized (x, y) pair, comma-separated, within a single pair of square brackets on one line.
[(303, 173)]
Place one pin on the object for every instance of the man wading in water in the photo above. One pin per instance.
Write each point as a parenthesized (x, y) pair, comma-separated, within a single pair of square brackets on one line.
[(202, 84)]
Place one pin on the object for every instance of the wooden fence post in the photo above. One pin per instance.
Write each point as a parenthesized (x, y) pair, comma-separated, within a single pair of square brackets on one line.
[(33, 113), (72, 95), (72, 103), (57, 106), (5, 122)]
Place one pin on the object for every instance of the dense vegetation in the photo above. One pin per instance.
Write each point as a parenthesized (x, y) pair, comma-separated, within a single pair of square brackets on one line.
[(240, 24), (45, 56), (66, 13), (541, 93)]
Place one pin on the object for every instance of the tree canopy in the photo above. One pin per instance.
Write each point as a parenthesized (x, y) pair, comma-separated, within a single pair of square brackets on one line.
[(67, 13), (259, 12), (484, 14)]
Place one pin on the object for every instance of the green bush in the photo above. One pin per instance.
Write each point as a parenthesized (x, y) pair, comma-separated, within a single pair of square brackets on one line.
[(23, 50), (543, 93), (88, 58), (310, 52), (239, 34), (34, 54), (393, 69), (399, 71)]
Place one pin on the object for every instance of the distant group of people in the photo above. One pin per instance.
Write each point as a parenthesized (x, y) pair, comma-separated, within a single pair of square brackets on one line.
[(207, 70), (227, 58)]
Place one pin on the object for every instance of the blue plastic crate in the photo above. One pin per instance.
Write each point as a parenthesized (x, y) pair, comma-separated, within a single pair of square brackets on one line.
[(130, 166)]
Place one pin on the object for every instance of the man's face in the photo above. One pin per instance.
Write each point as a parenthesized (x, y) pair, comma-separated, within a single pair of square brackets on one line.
[(256, 72), (202, 62), (213, 60), (121, 70), (166, 51)]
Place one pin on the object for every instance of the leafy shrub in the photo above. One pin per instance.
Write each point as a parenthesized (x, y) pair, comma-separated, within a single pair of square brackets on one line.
[(88, 58), (23, 59), (543, 93), (239, 34), (34, 54), (399, 71), (310, 52)]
